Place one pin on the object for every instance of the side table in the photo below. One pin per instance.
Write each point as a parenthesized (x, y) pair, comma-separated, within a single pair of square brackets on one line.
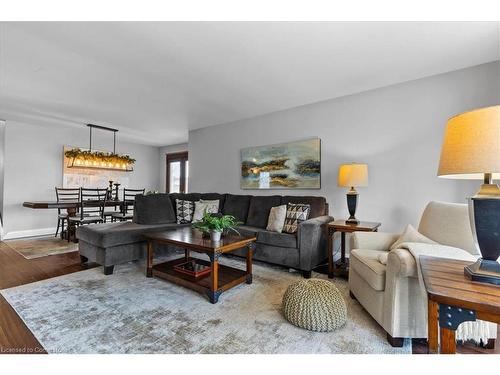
[(341, 267), (454, 299)]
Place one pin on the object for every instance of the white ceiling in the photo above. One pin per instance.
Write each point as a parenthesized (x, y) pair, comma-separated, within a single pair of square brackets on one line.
[(156, 80)]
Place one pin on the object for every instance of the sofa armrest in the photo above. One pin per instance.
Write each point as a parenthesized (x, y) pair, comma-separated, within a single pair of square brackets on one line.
[(311, 238), (401, 263), (373, 240)]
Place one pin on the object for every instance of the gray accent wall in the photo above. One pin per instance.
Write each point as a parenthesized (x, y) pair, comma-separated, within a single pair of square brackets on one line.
[(397, 130), (2, 167), (33, 167)]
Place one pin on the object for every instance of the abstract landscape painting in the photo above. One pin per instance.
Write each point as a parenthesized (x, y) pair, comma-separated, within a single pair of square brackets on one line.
[(293, 165)]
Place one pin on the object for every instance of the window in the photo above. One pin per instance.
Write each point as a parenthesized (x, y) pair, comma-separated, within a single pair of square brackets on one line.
[(177, 172)]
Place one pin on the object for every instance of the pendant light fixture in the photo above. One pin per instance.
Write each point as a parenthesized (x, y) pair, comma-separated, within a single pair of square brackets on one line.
[(78, 158)]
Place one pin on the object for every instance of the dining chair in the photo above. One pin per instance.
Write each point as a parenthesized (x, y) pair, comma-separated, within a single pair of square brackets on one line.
[(91, 209), (127, 208), (68, 195)]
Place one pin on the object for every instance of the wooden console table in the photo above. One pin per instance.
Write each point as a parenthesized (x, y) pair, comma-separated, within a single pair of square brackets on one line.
[(454, 299), (341, 267)]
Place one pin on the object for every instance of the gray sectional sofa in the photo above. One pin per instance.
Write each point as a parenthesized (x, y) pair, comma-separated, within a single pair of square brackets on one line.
[(113, 243)]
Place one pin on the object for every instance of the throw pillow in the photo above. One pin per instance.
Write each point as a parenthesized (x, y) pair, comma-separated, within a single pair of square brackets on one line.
[(212, 207), (276, 220), (382, 258), (296, 213), (410, 234), (185, 210)]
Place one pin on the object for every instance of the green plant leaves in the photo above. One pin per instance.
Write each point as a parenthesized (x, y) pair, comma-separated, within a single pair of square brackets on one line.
[(212, 223)]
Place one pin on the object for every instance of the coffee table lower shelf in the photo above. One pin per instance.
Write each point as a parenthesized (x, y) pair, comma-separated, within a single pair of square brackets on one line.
[(226, 277)]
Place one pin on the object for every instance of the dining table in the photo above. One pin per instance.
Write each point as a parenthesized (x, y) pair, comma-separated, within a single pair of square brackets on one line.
[(71, 207)]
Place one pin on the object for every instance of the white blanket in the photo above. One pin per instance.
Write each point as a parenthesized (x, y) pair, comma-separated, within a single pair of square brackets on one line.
[(478, 330)]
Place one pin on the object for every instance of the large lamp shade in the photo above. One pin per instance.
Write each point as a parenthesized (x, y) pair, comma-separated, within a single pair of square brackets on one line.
[(471, 145)]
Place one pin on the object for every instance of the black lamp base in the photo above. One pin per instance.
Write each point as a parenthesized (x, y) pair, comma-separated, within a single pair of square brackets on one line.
[(352, 202), (484, 271)]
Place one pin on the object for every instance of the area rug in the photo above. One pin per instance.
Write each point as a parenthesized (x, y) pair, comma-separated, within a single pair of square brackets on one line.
[(38, 247), (88, 312)]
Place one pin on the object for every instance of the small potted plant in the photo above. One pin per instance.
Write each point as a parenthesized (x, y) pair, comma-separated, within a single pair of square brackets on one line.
[(215, 225)]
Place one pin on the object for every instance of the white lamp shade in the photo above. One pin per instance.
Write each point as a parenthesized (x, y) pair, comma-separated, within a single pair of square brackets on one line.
[(471, 145), (353, 175)]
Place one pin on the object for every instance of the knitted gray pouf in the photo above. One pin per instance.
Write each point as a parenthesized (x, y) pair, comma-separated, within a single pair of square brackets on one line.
[(314, 304)]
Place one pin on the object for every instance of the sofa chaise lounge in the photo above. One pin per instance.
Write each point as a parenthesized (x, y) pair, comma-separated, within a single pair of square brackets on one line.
[(110, 244)]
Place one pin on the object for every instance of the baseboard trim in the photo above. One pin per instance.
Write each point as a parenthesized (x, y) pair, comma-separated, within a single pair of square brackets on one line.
[(28, 233)]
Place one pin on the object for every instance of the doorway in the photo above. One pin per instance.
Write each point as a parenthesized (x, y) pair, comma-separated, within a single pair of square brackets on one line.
[(177, 172)]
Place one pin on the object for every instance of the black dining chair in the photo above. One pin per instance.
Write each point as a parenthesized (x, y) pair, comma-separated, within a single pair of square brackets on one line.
[(65, 195), (91, 209), (127, 208)]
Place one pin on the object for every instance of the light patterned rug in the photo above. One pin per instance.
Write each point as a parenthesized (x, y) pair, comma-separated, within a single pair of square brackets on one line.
[(88, 312), (38, 247)]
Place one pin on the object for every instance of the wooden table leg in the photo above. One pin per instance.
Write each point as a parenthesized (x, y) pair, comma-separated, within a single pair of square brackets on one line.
[(330, 254), (249, 264), (447, 338), (149, 270), (214, 281), (432, 327), (186, 254)]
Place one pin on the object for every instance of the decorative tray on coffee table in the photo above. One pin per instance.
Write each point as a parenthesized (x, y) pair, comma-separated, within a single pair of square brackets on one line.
[(193, 268)]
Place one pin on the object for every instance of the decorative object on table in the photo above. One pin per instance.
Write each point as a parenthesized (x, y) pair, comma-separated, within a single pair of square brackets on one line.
[(341, 267), (471, 150), (194, 268), (215, 225), (116, 191), (314, 304), (202, 206), (184, 211), (78, 158), (110, 190), (276, 220), (293, 165), (296, 213), (353, 175)]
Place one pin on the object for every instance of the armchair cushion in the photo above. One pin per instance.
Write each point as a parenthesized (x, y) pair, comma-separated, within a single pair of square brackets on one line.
[(367, 265), (373, 240)]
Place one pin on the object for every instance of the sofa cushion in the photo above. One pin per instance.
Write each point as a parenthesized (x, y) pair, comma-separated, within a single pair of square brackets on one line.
[(114, 234), (259, 209), (277, 239), (296, 213), (248, 231), (367, 265), (184, 211), (153, 209), (214, 197), (318, 204), (237, 206)]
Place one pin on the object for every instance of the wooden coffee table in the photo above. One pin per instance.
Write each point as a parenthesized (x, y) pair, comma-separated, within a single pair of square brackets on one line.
[(221, 277)]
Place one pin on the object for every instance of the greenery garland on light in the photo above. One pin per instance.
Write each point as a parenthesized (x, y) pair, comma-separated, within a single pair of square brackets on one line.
[(97, 156)]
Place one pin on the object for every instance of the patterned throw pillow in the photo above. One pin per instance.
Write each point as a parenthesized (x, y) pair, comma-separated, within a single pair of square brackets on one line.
[(185, 210), (212, 207), (296, 213)]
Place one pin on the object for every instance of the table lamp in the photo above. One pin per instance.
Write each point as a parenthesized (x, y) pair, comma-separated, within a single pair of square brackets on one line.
[(351, 176), (471, 150)]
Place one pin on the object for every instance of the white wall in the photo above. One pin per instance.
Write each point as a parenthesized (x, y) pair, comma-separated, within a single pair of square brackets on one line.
[(163, 161), (33, 167), (397, 130)]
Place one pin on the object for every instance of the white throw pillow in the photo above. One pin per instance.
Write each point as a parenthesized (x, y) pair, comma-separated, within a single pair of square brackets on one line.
[(276, 219), (410, 234), (200, 206), (382, 258)]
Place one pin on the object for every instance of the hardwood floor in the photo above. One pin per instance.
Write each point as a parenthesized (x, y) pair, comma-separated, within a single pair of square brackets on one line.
[(15, 270)]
